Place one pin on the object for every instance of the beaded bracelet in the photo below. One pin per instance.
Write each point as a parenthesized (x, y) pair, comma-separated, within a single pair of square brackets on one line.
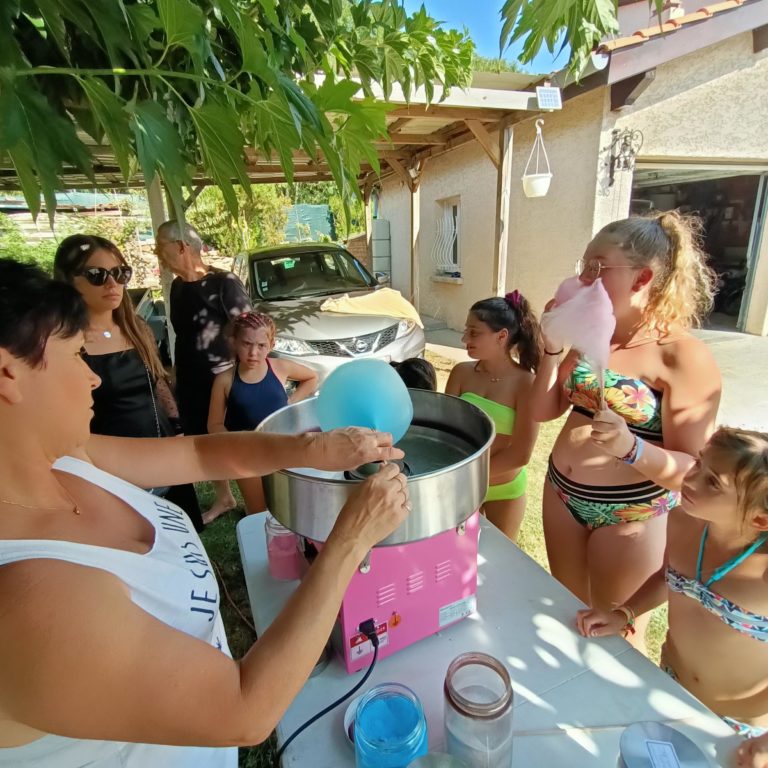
[(635, 452), (629, 614)]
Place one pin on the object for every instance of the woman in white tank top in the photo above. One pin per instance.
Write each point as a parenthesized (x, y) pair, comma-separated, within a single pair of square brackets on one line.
[(112, 650)]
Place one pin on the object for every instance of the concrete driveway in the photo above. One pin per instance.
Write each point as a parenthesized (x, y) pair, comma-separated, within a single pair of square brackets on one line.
[(743, 362)]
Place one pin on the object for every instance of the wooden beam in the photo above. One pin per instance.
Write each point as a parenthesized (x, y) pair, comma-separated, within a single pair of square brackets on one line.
[(627, 92), (448, 113), (486, 141), (413, 138), (401, 122), (415, 229), (503, 194), (401, 171), (760, 39), (193, 195)]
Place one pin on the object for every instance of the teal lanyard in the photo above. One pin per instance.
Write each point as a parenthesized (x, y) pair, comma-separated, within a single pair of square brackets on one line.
[(718, 573)]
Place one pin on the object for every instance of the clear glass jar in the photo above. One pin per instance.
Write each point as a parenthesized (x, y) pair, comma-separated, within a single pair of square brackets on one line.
[(478, 711), (283, 556), (390, 728)]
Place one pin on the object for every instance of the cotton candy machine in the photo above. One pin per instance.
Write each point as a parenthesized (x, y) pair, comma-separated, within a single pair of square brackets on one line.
[(423, 576)]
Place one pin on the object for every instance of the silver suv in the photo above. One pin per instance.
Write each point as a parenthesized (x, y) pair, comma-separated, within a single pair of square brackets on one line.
[(290, 283)]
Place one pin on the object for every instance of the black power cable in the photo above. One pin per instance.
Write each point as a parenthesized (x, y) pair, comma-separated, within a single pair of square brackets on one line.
[(368, 628)]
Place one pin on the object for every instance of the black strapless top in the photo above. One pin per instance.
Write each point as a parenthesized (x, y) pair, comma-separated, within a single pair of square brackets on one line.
[(123, 404)]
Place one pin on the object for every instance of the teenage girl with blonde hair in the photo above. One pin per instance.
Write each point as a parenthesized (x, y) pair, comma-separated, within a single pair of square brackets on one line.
[(607, 495), (243, 396), (714, 576)]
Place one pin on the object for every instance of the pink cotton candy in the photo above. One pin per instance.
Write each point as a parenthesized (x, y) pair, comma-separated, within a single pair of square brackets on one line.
[(567, 290), (582, 319)]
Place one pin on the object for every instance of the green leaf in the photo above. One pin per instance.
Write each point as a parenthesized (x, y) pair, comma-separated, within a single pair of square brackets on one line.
[(54, 24), (143, 20), (270, 11), (221, 144), (109, 111), (183, 24), (159, 148)]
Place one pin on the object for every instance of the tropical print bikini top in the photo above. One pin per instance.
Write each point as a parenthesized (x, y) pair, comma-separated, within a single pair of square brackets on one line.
[(743, 621), (632, 399)]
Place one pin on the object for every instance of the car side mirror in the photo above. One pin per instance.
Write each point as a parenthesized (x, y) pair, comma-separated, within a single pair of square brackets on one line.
[(382, 278)]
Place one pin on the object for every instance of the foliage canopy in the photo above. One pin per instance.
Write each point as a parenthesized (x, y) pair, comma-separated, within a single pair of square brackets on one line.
[(173, 84)]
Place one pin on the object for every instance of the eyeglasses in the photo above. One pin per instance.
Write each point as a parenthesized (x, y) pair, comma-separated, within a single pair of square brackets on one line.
[(99, 275), (591, 268)]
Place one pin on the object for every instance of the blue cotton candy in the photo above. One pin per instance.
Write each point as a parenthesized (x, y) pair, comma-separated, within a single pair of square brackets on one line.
[(389, 719)]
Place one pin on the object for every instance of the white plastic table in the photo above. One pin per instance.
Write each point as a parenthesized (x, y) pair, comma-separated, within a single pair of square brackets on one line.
[(573, 696)]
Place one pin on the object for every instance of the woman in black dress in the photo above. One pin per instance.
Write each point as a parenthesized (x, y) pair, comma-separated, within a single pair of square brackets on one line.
[(134, 399)]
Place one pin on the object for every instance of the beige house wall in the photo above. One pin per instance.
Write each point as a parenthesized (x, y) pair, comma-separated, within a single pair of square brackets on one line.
[(395, 206), (468, 175), (547, 234)]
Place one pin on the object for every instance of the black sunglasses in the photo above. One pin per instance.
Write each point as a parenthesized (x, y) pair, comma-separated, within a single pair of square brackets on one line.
[(99, 275)]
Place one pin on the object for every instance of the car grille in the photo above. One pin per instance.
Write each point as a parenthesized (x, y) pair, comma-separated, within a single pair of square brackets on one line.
[(356, 345)]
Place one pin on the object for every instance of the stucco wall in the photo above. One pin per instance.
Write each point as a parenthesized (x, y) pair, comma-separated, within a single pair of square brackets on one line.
[(710, 105), (548, 234), (395, 205), (466, 173)]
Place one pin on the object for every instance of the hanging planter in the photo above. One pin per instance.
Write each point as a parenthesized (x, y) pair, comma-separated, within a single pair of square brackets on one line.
[(536, 182)]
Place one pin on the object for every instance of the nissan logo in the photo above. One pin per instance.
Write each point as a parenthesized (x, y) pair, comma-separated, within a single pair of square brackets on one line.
[(361, 345)]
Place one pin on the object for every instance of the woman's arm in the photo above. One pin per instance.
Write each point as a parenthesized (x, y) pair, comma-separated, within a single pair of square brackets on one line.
[(519, 446), (689, 408), (287, 370), (453, 385), (217, 410), (78, 658), (548, 401), (152, 462)]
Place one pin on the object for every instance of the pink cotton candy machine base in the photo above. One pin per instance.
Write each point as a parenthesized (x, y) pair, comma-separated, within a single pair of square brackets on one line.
[(411, 591)]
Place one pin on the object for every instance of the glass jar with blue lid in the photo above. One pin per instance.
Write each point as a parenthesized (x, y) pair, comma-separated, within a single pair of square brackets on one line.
[(390, 728)]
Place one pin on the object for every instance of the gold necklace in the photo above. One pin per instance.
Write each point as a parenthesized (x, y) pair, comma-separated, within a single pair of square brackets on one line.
[(75, 508), (494, 379)]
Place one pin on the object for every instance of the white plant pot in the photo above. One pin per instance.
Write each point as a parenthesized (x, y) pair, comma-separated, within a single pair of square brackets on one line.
[(536, 184)]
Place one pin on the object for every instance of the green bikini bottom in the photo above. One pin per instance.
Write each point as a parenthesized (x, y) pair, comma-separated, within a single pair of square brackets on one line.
[(514, 489)]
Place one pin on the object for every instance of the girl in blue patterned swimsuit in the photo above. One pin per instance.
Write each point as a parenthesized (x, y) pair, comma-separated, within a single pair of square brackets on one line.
[(715, 580)]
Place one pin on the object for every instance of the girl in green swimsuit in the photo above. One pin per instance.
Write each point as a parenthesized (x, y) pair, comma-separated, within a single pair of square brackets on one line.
[(502, 335)]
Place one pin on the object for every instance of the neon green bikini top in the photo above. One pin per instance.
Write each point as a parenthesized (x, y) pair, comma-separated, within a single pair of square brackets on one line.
[(502, 416)]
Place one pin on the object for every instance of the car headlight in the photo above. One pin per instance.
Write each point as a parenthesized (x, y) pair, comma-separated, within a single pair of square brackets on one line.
[(404, 327), (291, 346)]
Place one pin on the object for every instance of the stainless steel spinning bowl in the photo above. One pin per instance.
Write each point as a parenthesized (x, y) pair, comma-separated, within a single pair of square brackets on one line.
[(446, 450)]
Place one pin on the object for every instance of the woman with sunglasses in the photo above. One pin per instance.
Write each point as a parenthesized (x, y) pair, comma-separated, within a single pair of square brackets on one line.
[(111, 640), (134, 399), (618, 464)]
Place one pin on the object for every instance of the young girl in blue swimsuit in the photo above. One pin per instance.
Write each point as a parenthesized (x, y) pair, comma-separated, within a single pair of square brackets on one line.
[(714, 576), (604, 522), (243, 396), (503, 336)]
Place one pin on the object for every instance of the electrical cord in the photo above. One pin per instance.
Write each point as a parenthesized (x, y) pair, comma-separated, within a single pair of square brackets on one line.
[(368, 628)]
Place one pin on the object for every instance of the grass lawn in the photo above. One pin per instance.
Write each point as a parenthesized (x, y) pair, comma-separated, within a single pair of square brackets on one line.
[(221, 543)]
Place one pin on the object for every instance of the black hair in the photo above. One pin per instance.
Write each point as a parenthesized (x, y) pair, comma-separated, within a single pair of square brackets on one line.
[(514, 314), (417, 373), (33, 307)]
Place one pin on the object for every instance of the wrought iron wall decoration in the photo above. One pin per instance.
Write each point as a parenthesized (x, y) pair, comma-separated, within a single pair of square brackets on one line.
[(625, 145)]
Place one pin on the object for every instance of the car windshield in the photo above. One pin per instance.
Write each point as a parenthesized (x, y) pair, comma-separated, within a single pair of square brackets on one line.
[(312, 273)]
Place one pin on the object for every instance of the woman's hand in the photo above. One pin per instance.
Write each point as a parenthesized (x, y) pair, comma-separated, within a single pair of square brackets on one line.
[(551, 343), (610, 432), (593, 623), (753, 753), (375, 509), (348, 448)]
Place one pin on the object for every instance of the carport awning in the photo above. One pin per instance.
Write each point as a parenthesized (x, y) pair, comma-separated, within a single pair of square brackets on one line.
[(417, 131)]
